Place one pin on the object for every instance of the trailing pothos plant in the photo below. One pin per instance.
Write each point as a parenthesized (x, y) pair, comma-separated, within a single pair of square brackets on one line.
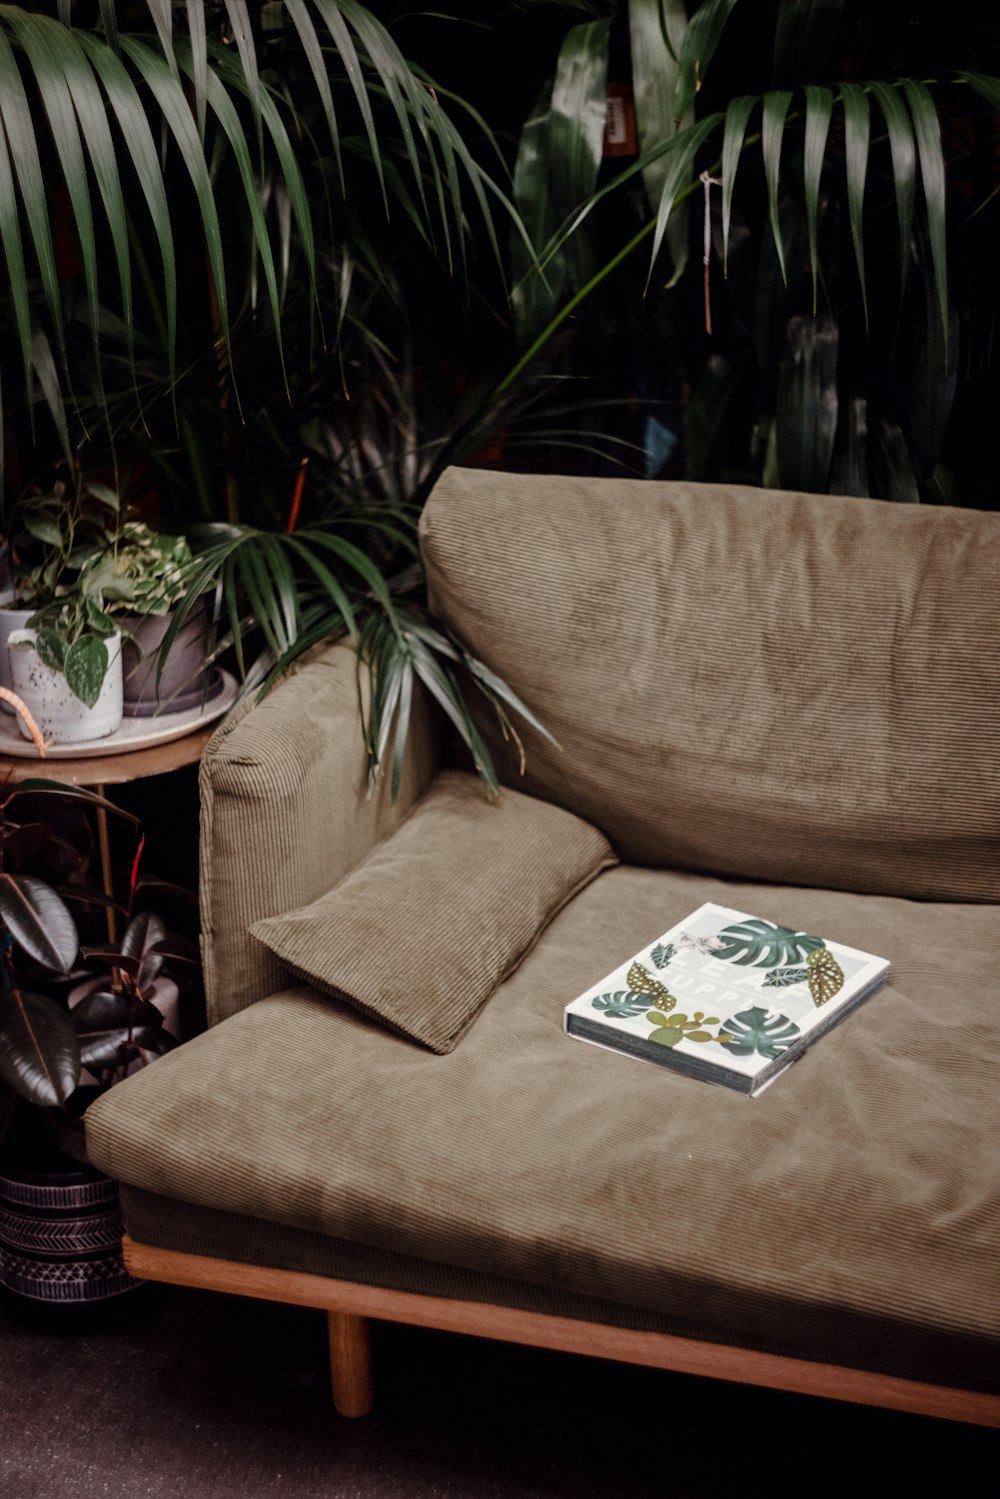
[(48, 917), (54, 536)]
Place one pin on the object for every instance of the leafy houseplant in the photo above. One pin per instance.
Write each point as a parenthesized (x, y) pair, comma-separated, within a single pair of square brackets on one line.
[(65, 663), (251, 194), (44, 1044), (143, 576), (140, 568), (61, 1044), (818, 194)]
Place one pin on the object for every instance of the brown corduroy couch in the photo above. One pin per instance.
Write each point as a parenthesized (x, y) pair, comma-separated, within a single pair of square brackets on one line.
[(783, 703)]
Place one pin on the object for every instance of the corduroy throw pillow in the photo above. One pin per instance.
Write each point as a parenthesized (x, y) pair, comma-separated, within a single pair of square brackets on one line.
[(420, 934)]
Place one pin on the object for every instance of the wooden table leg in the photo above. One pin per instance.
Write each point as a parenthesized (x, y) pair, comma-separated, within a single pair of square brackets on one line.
[(351, 1363)]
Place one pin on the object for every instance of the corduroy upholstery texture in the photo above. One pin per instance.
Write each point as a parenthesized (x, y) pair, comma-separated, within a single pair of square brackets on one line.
[(421, 932), (285, 814), (780, 686), (850, 1212)]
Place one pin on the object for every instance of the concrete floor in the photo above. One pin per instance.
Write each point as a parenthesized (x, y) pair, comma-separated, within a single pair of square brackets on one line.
[(185, 1394)]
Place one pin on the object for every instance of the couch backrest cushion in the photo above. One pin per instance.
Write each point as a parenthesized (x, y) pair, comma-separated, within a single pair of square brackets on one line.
[(789, 687)]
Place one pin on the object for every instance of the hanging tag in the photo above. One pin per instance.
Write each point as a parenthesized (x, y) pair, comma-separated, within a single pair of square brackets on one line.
[(620, 133)]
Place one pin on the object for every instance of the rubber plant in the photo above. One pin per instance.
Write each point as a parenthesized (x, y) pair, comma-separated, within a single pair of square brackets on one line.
[(44, 900)]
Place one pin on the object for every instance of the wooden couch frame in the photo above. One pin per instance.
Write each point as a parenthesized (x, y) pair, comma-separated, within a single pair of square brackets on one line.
[(350, 1308)]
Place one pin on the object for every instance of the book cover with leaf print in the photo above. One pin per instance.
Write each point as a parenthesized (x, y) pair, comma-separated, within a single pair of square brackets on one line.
[(726, 997)]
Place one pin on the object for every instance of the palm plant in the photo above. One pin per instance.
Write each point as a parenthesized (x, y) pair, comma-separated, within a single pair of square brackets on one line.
[(817, 189), (240, 186)]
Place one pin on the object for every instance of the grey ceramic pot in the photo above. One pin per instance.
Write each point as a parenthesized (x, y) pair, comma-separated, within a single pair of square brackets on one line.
[(184, 681)]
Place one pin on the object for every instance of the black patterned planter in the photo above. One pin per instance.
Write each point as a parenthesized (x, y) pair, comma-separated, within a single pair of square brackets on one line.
[(60, 1236)]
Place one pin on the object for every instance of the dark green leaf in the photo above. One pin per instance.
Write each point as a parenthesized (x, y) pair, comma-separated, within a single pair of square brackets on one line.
[(199, 58), (86, 666), (19, 122), (656, 34), (72, 793), (700, 41), (39, 1051), (242, 33), (133, 125), (559, 157), (775, 108), (43, 528), (857, 128), (819, 108), (928, 133), (51, 648), (10, 239), (114, 957), (39, 920), (225, 112), (738, 114), (577, 114), (142, 934), (98, 621), (95, 133), (176, 115), (661, 955), (53, 57), (904, 168), (685, 147), (106, 1022)]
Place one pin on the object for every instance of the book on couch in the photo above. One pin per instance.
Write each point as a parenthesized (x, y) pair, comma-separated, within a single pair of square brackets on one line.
[(726, 997)]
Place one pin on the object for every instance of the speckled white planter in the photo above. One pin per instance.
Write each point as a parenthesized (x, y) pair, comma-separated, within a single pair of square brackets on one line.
[(60, 715)]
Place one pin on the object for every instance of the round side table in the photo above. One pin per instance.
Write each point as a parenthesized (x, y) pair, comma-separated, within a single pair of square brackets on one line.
[(98, 772)]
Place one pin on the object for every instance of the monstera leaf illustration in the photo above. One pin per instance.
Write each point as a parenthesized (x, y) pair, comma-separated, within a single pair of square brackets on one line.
[(763, 944), (642, 981), (826, 977), (624, 1004), (661, 955), (757, 1030), (782, 978)]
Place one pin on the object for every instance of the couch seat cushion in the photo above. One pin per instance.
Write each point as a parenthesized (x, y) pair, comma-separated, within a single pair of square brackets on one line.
[(864, 1182)]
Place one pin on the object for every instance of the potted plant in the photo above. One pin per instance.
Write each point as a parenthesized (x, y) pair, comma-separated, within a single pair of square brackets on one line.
[(143, 575), (60, 1022), (63, 657)]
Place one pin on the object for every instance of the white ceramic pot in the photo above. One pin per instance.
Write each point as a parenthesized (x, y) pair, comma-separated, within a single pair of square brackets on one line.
[(10, 619), (60, 715)]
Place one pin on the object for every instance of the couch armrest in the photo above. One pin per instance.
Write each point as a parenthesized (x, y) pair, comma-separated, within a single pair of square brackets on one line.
[(285, 813)]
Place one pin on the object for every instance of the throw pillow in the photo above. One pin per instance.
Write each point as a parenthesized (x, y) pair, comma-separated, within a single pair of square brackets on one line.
[(421, 933)]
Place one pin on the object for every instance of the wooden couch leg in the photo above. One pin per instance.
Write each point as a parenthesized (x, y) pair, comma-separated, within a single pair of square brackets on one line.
[(351, 1363)]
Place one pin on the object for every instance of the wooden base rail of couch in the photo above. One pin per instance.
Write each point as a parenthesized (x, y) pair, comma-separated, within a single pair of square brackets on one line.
[(350, 1306)]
